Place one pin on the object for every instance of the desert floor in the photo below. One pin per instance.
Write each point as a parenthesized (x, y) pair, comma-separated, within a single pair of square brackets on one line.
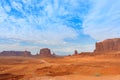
[(99, 67)]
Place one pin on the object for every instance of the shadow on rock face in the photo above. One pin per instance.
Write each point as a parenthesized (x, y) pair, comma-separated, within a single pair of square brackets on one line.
[(8, 76)]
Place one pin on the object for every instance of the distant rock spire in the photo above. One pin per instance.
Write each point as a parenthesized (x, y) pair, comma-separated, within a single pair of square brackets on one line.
[(75, 52)]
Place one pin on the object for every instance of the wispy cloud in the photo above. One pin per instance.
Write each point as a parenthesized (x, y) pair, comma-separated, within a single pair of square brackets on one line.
[(103, 21), (57, 23), (44, 20)]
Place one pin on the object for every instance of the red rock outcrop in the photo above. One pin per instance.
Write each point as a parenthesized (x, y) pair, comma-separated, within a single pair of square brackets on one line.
[(45, 52), (75, 52), (86, 54), (27, 53), (15, 53), (108, 45)]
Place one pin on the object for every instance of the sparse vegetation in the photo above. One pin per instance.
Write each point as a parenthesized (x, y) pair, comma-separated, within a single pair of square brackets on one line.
[(97, 74)]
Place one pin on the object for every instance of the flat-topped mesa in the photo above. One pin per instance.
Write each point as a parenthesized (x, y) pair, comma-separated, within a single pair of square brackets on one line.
[(15, 53), (108, 45), (45, 52)]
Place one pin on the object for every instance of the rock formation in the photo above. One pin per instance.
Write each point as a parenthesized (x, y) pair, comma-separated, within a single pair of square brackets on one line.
[(45, 52), (108, 45), (75, 52), (26, 53), (15, 53), (86, 54)]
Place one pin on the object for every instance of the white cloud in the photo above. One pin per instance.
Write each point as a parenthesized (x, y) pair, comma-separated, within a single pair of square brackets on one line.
[(7, 8), (16, 5), (26, 22), (103, 21), (31, 28), (3, 15), (52, 34)]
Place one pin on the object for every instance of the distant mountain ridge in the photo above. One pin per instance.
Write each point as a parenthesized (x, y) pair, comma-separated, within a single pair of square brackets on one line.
[(15, 53), (44, 52)]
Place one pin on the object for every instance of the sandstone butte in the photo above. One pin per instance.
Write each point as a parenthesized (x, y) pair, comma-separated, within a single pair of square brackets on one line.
[(15, 53), (45, 52), (108, 45)]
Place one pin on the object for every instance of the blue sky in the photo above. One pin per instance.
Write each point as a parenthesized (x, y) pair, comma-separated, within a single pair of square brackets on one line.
[(61, 25)]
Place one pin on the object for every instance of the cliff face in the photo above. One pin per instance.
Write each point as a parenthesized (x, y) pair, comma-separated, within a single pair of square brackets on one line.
[(15, 53), (108, 45)]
